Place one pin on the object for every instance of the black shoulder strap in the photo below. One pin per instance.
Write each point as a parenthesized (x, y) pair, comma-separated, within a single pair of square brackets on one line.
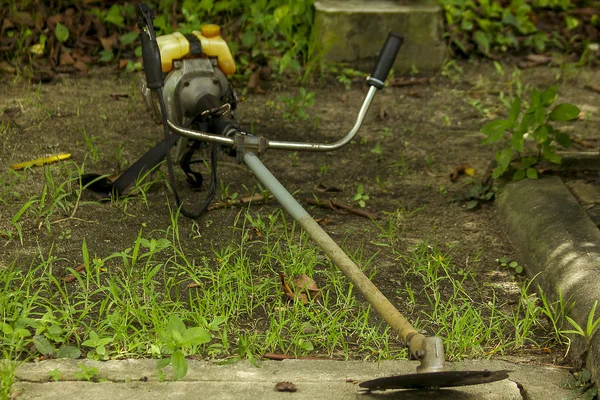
[(104, 186)]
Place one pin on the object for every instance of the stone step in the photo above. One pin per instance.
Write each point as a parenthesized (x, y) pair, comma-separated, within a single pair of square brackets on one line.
[(353, 31)]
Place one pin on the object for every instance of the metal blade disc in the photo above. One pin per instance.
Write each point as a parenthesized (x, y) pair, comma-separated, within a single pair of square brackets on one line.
[(435, 380)]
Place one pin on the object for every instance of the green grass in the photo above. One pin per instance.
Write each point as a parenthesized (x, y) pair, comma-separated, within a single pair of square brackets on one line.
[(230, 297)]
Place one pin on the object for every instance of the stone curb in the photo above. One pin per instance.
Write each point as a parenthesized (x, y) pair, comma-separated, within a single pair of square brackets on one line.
[(136, 379), (560, 247)]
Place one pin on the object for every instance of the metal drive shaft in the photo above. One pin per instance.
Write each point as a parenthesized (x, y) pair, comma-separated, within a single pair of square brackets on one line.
[(428, 349)]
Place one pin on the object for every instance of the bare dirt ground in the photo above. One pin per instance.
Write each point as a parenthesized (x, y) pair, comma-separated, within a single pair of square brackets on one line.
[(412, 140)]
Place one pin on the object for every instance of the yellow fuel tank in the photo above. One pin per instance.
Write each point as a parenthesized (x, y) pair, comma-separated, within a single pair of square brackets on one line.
[(176, 46)]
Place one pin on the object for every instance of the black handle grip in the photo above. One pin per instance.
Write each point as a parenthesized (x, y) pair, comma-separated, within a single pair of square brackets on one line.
[(150, 50), (385, 60)]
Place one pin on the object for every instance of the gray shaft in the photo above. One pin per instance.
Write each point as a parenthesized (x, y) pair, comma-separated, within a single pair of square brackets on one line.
[(383, 306)]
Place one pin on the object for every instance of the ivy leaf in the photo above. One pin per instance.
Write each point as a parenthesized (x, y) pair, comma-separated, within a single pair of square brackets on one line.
[(43, 345), (495, 129), (503, 158), (61, 32), (527, 162), (482, 41), (535, 100), (541, 134), (564, 112), (106, 55), (549, 154), (196, 336), (128, 38), (517, 141), (532, 173), (248, 38), (179, 364), (562, 138), (548, 96), (519, 175), (515, 110), (71, 352)]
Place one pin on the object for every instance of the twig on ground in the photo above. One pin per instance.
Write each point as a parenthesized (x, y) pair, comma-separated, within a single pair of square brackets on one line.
[(341, 208), (236, 202)]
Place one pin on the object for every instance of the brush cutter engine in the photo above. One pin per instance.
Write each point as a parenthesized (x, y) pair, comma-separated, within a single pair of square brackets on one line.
[(195, 92)]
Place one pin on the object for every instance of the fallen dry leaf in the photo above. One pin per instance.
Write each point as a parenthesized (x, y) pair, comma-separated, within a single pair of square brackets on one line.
[(254, 83), (341, 208), (306, 284), (305, 288), (383, 114), (463, 169), (71, 277), (193, 285), (322, 188), (66, 58), (593, 88), (324, 221), (403, 81), (119, 95), (286, 387)]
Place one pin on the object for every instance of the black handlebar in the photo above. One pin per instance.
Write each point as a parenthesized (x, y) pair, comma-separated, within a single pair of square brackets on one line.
[(385, 60), (150, 50)]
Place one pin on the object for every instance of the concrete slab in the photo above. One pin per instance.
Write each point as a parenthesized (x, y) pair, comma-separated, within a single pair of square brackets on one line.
[(353, 32), (136, 379), (560, 245)]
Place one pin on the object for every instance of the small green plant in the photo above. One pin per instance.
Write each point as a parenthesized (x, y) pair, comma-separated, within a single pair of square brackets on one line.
[(178, 340), (583, 386), (361, 197), (44, 347), (86, 373), (590, 327), (477, 192), (506, 262), (297, 107), (99, 351), (535, 123), (55, 375)]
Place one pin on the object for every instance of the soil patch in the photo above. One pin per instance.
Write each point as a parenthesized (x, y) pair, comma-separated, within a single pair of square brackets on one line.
[(411, 142)]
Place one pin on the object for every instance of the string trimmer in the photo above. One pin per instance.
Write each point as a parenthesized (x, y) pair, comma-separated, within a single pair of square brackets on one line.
[(187, 88)]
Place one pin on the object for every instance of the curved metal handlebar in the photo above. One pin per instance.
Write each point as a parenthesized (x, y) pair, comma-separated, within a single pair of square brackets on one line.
[(283, 145)]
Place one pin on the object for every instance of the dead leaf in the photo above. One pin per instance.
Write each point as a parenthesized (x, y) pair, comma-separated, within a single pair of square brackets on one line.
[(240, 201), (109, 43), (286, 387), (66, 58), (414, 93), (322, 188), (305, 284), (193, 285), (305, 288), (71, 277), (264, 73), (22, 18), (383, 114), (118, 96), (403, 81), (593, 88), (254, 83), (341, 208), (80, 65), (288, 291), (463, 169), (123, 63), (324, 221), (9, 115)]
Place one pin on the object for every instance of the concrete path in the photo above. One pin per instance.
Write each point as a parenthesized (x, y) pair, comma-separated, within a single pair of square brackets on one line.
[(137, 379)]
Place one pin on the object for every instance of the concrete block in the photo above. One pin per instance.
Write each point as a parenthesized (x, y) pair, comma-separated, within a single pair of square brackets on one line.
[(354, 31)]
